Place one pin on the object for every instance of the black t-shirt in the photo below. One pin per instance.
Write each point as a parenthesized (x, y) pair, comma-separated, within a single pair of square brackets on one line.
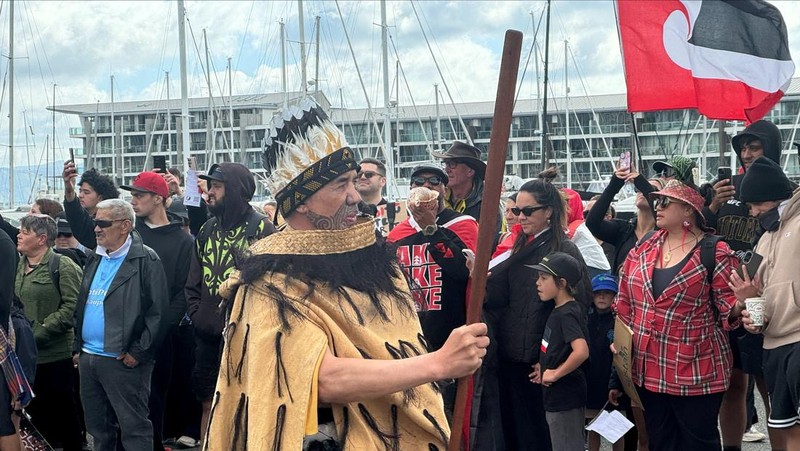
[(565, 324)]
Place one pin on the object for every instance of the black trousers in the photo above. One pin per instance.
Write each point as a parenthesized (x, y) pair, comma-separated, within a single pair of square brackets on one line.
[(53, 410), (183, 410), (681, 423), (159, 384), (522, 409)]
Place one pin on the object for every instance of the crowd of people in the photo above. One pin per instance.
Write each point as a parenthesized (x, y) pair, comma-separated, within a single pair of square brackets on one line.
[(152, 324)]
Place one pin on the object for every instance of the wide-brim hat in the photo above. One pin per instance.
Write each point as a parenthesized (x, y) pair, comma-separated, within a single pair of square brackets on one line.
[(469, 155), (686, 194)]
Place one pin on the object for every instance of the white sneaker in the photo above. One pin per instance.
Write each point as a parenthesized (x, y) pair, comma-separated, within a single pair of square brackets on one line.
[(187, 442), (753, 435)]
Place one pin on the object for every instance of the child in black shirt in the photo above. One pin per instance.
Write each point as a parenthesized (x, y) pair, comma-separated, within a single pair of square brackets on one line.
[(563, 350), (601, 336)]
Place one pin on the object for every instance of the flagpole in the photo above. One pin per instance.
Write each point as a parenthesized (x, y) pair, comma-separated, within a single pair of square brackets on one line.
[(723, 140)]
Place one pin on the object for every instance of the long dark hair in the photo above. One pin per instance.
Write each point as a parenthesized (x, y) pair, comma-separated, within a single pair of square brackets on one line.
[(545, 193)]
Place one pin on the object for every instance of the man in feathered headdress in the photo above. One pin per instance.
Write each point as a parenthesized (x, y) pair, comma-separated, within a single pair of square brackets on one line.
[(322, 329)]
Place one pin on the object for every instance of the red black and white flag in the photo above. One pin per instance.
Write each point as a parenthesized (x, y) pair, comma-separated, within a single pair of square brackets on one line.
[(727, 59)]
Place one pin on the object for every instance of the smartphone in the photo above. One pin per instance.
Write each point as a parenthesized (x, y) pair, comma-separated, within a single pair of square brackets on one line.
[(624, 160), (160, 163), (724, 173), (71, 154), (752, 263)]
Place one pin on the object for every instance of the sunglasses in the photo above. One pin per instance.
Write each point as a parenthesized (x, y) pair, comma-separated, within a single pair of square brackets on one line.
[(664, 202), (434, 180), (106, 223), (527, 211), (368, 174)]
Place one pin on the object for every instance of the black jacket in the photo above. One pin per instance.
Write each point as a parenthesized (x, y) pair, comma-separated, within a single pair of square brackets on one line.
[(618, 232), (515, 314), (81, 223), (174, 248), (135, 305), (8, 274)]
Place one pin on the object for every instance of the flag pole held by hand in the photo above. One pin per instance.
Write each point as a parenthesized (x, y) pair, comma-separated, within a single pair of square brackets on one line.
[(493, 181)]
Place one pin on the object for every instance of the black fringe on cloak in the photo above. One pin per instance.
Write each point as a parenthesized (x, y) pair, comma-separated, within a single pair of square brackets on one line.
[(370, 270)]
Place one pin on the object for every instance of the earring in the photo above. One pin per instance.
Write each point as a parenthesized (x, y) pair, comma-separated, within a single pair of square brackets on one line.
[(686, 224)]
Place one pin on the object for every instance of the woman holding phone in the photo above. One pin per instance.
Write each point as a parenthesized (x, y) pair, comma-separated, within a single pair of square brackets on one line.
[(620, 233)]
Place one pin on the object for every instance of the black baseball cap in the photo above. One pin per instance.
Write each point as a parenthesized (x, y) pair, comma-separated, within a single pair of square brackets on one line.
[(560, 265), (63, 224), (430, 168), (215, 173)]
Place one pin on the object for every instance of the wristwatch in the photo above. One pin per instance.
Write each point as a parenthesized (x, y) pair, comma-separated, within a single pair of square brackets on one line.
[(429, 230)]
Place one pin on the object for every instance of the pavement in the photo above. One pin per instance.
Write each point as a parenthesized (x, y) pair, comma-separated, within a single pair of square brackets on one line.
[(761, 426)]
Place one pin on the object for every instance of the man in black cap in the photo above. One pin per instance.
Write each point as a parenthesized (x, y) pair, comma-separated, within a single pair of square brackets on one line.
[(729, 215), (430, 245), (774, 201), (235, 225), (466, 172)]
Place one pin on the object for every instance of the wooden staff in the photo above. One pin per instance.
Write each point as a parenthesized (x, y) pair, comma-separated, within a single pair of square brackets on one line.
[(493, 181)]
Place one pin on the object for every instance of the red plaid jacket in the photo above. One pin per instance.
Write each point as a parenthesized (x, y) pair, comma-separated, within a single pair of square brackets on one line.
[(680, 346)]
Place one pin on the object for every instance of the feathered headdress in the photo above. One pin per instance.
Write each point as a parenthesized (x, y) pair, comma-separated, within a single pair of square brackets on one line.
[(303, 151)]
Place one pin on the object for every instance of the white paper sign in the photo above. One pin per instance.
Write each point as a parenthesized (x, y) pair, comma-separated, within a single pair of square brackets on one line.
[(191, 195), (611, 425)]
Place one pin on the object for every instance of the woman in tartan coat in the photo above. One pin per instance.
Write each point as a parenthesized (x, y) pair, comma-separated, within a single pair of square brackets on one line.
[(681, 355)]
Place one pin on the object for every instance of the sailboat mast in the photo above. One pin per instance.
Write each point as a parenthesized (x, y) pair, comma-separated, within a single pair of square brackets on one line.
[(117, 152), (283, 65), (210, 122), (538, 85), (545, 141), (316, 59), (387, 124), (566, 114), (169, 120), (183, 149), (53, 144), (11, 104), (438, 118), (303, 61), (230, 111)]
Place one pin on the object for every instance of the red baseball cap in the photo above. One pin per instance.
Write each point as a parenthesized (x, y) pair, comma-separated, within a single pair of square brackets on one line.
[(149, 182)]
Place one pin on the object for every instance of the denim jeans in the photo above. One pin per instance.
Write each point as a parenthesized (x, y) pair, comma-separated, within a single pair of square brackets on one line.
[(115, 402)]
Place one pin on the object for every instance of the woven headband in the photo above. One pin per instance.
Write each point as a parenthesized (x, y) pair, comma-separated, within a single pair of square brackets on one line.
[(313, 178)]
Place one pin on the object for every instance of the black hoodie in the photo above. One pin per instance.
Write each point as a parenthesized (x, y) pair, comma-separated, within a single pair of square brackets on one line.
[(212, 259), (174, 248), (733, 221)]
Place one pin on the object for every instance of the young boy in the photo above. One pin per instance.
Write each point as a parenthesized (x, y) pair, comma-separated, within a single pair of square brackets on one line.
[(601, 335), (563, 351)]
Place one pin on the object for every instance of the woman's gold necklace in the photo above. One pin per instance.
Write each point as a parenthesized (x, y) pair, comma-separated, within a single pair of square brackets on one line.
[(667, 256)]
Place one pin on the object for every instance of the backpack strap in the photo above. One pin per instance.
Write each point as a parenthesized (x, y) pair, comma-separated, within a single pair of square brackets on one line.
[(708, 251), (646, 237), (253, 228), (55, 275)]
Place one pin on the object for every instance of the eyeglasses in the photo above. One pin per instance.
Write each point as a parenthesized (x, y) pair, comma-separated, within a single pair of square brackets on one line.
[(451, 164), (527, 211), (368, 174), (434, 180), (106, 223), (663, 202)]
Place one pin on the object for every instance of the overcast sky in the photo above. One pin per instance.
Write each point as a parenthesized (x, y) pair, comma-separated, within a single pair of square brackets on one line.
[(80, 45)]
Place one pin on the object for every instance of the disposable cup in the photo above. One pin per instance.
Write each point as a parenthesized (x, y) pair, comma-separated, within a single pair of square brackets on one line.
[(755, 306)]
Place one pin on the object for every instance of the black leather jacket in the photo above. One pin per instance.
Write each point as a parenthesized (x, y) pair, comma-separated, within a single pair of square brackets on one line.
[(134, 306)]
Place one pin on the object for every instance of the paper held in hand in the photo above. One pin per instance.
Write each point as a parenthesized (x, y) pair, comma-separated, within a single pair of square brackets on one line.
[(191, 195), (623, 343), (611, 425)]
